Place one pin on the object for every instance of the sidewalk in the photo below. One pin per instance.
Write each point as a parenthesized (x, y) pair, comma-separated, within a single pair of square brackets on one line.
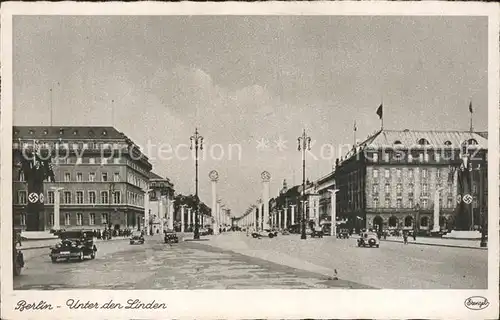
[(47, 243), (442, 242)]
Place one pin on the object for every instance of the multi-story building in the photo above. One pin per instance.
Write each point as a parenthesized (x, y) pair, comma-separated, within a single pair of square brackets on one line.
[(391, 179), (100, 173), (161, 196)]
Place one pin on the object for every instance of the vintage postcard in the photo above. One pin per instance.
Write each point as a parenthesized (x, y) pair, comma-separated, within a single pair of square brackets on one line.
[(250, 160)]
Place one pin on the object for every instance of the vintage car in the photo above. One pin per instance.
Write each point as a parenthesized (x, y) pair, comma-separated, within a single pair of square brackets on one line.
[(17, 255), (316, 233), (137, 237), (75, 244), (171, 237), (270, 233), (369, 239), (343, 234)]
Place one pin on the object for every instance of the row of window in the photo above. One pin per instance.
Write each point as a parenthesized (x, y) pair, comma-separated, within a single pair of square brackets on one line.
[(73, 145), (424, 173), (90, 160), (422, 157), (67, 219), (424, 203), (133, 198)]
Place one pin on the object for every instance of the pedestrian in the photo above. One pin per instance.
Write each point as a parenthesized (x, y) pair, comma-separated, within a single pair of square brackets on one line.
[(414, 236), (405, 238)]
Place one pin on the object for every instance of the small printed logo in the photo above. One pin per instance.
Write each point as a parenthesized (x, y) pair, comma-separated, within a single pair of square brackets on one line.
[(476, 303)]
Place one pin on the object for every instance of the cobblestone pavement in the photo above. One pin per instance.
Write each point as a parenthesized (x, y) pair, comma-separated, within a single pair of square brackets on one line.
[(392, 266), (155, 265)]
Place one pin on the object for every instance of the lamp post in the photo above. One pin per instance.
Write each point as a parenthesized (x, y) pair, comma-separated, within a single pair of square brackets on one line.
[(183, 206), (196, 144), (111, 193), (436, 227), (57, 205), (146, 209), (304, 143), (333, 227)]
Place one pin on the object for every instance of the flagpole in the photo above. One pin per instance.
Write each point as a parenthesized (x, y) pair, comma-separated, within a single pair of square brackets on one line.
[(355, 129), (471, 113), (50, 106), (113, 113), (382, 117)]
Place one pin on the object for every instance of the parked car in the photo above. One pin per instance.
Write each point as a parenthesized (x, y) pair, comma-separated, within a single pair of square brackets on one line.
[(270, 233), (17, 255), (137, 237), (368, 239), (206, 231), (171, 237), (316, 233), (343, 234), (75, 244)]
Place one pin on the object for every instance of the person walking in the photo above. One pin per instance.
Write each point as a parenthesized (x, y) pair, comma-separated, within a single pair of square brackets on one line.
[(405, 238)]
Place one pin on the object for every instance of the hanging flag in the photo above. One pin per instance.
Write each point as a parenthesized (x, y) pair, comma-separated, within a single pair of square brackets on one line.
[(470, 107), (379, 111), (355, 128)]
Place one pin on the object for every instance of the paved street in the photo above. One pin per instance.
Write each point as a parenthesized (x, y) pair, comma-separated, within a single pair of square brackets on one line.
[(392, 266), (155, 265)]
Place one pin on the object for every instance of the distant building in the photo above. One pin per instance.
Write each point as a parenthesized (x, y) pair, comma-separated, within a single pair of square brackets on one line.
[(160, 198), (102, 175), (389, 180)]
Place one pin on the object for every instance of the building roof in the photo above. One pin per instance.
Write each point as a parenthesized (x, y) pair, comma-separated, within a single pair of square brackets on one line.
[(154, 176), (411, 138), (67, 132)]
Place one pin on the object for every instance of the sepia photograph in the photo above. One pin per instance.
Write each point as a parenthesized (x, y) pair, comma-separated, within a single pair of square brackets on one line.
[(167, 154)]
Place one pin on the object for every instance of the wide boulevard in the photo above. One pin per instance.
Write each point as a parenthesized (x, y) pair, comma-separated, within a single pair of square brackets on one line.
[(237, 261)]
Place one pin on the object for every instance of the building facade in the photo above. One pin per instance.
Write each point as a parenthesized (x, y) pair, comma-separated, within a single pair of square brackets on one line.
[(161, 196), (101, 177), (392, 179)]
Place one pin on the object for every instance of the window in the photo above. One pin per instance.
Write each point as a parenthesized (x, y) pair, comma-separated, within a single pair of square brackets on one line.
[(92, 197), (104, 177), (67, 219), (116, 197), (51, 219), (51, 197), (423, 141), (21, 197), (437, 156), (387, 188), (92, 176), (375, 202), (21, 176), (424, 222), (104, 160), (450, 187), (424, 173), (67, 197), (68, 160), (79, 177), (410, 157), (398, 203), (421, 157), (474, 188), (116, 177), (387, 173), (104, 218), (91, 219), (79, 197), (92, 160), (104, 197), (375, 156), (23, 219), (410, 203), (67, 177), (386, 156), (425, 203), (79, 160), (410, 173), (79, 219), (425, 188), (116, 160), (449, 203), (411, 189), (387, 203), (399, 189), (375, 173), (438, 173), (398, 173), (375, 188)]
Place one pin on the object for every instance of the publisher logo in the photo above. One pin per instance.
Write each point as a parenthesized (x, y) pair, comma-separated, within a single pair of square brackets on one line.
[(476, 303)]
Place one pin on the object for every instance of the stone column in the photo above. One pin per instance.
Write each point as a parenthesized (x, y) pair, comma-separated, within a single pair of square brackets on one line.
[(182, 217), (161, 214), (146, 211), (285, 218), (311, 209), (254, 220), (57, 207), (436, 227), (266, 177), (189, 217), (333, 201), (171, 214), (293, 213)]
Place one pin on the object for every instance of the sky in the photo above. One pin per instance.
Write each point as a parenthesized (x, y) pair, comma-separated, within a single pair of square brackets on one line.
[(250, 81)]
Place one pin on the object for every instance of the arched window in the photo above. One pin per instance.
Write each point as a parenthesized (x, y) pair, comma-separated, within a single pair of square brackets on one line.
[(397, 142), (447, 143), (423, 141), (408, 221), (393, 221), (472, 142)]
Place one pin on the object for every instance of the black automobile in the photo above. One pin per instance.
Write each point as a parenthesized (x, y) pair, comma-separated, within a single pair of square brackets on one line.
[(171, 237), (343, 234), (316, 233), (137, 238), (75, 244), (17, 255)]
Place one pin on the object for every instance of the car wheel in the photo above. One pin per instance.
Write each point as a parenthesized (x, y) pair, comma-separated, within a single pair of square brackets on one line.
[(80, 257), (92, 256), (54, 260), (131, 242), (271, 235), (377, 246)]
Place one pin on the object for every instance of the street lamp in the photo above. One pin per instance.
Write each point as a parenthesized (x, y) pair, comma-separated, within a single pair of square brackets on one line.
[(304, 143), (196, 143), (146, 210)]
